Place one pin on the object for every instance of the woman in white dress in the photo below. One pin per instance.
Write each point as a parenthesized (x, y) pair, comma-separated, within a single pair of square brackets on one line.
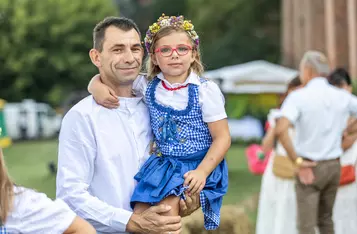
[(345, 208), (277, 202), (24, 211)]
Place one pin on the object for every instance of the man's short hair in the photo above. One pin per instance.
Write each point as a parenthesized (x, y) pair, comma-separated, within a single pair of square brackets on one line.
[(317, 61), (122, 23)]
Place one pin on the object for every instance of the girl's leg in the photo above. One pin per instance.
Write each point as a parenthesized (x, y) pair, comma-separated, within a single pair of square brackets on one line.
[(174, 202), (140, 207)]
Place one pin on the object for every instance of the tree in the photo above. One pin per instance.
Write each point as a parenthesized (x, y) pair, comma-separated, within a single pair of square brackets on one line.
[(44, 46), (236, 31)]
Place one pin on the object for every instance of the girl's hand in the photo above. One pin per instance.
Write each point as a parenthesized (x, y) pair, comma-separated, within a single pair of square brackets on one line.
[(102, 94), (196, 180)]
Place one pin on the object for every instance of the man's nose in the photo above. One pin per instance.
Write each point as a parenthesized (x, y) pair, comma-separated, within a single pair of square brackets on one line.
[(129, 57)]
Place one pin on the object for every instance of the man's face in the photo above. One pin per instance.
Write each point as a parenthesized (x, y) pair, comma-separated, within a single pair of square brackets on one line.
[(122, 55)]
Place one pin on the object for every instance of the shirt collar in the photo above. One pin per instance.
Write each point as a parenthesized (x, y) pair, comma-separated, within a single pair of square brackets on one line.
[(193, 78), (317, 81), (126, 103)]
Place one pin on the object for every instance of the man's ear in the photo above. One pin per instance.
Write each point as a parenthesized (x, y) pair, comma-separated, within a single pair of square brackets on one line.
[(95, 57)]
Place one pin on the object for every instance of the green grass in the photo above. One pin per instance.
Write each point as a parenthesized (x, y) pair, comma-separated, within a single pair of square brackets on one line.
[(27, 164)]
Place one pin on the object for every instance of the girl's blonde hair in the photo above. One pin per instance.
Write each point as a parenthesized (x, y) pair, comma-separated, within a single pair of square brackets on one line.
[(6, 190), (152, 69)]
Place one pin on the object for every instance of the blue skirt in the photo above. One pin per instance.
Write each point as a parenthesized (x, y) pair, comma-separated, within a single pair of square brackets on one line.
[(162, 176)]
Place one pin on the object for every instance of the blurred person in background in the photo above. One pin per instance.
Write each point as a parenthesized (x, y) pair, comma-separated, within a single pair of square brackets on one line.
[(345, 208), (319, 114), (277, 200), (25, 211)]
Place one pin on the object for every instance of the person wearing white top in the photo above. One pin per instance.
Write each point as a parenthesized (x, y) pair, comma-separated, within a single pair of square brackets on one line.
[(25, 211), (100, 149), (345, 208), (276, 208), (319, 113)]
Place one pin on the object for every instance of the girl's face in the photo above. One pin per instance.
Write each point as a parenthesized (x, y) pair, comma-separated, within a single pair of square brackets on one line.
[(174, 55)]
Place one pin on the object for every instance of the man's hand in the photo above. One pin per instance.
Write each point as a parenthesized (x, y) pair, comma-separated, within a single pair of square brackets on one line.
[(150, 221), (190, 205), (306, 175)]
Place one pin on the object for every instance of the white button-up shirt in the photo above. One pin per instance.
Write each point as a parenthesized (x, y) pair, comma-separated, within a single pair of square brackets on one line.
[(211, 99), (319, 112), (100, 151), (35, 213)]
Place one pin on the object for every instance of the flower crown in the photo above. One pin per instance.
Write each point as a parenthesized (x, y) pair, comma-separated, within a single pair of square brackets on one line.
[(175, 21)]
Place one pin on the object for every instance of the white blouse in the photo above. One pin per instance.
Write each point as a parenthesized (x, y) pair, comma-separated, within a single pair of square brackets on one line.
[(211, 98), (35, 213)]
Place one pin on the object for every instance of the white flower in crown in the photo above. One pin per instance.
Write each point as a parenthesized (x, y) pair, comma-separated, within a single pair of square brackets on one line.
[(165, 23), (194, 35)]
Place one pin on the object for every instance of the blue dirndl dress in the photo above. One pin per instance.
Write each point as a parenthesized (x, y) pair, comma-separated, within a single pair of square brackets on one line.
[(182, 139), (3, 230)]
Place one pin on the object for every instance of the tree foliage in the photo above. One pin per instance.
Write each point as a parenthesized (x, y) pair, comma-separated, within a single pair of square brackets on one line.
[(236, 31), (44, 46)]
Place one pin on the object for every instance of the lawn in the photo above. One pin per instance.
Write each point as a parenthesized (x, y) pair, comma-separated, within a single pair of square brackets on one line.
[(28, 165)]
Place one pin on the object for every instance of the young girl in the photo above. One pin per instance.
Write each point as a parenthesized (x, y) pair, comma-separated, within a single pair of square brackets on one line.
[(188, 119), (25, 211)]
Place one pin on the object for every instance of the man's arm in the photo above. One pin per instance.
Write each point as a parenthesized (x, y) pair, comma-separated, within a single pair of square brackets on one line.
[(348, 141), (290, 113), (76, 158), (352, 105), (282, 132), (349, 134)]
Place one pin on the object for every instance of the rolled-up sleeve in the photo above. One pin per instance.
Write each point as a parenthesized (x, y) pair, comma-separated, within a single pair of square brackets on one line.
[(212, 102), (76, 160), (290, 108)]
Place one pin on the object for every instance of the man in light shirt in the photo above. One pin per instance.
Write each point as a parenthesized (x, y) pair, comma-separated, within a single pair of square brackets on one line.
[(100, 149), (319, 113)]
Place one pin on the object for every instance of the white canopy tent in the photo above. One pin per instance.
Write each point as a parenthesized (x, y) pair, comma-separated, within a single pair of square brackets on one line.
[(253, 77)]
